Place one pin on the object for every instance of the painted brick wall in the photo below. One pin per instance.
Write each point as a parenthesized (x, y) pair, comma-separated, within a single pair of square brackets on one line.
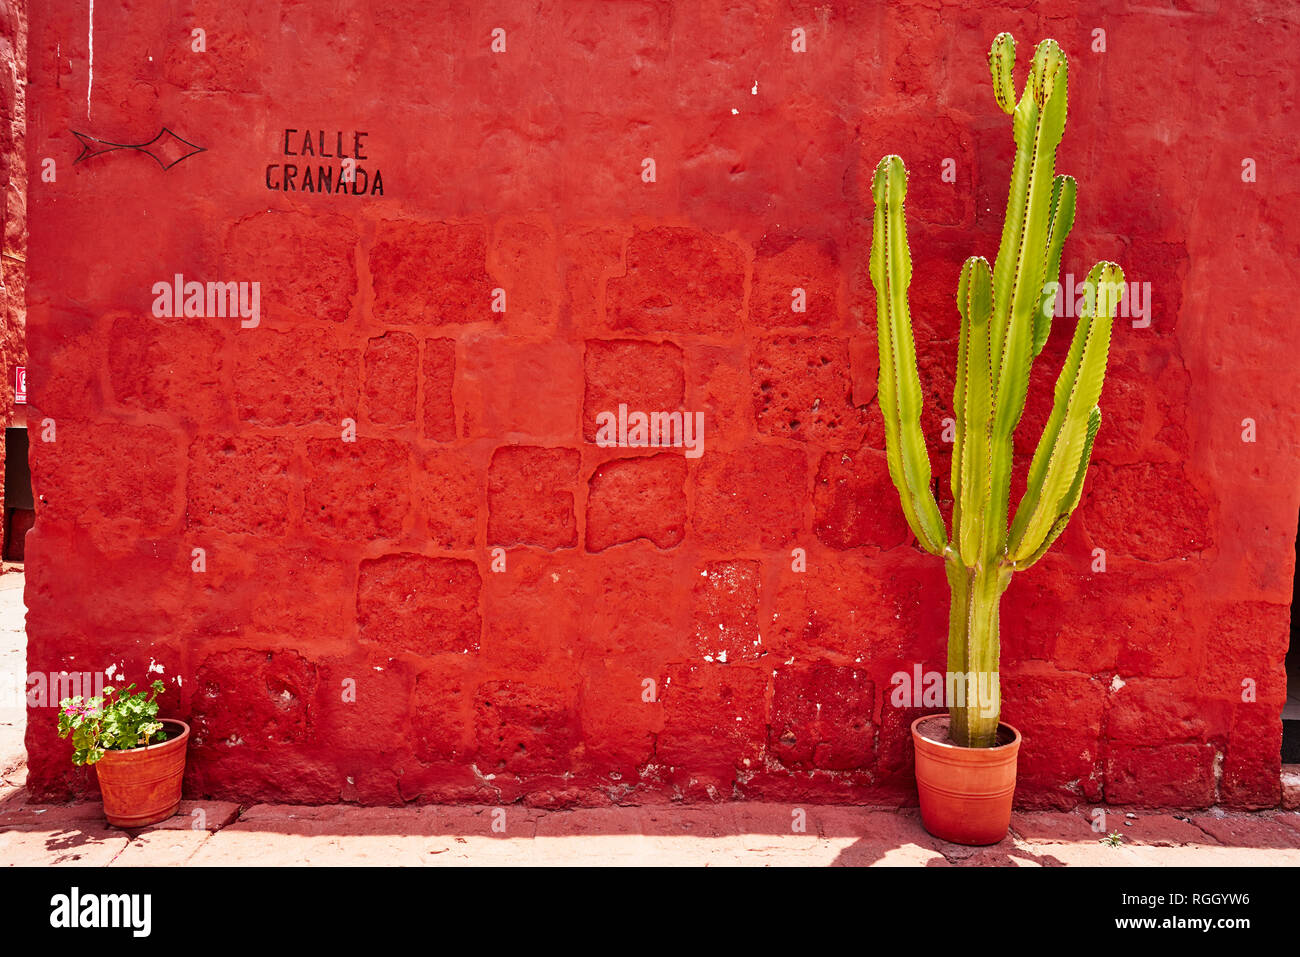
[(371, 561)]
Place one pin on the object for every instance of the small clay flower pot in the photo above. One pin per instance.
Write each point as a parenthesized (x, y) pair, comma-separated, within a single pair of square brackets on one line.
[(143, 786), (965, 792)]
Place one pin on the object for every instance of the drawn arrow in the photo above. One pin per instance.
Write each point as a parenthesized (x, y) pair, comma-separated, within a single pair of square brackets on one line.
[(167, 148)]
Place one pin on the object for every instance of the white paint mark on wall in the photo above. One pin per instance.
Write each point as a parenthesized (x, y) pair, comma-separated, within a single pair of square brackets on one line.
[(90, 67)]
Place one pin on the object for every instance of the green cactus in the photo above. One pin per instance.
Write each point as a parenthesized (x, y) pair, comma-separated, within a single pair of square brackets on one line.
[(1006, 313)]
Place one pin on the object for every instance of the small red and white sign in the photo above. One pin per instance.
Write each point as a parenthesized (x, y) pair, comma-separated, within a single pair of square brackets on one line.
[(20, 385)]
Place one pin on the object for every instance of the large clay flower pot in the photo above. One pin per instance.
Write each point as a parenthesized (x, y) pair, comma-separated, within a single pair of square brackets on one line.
[(143, 786), (965, 792)]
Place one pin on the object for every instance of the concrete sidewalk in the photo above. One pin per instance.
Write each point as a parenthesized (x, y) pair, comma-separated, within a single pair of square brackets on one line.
[(13, 664), (223, 834)]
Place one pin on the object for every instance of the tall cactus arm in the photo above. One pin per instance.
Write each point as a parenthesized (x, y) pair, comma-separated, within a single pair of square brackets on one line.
[(1002, 64), (1056, 460), (1072, 499), (900, 383), (970, 474), (1062, 219), (1039, 122)]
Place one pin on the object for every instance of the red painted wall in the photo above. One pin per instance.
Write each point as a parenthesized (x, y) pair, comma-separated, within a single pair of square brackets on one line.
[(521, 170), (13, 213)]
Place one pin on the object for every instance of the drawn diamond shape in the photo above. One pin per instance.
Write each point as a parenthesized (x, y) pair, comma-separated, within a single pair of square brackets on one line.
[(166, 148)]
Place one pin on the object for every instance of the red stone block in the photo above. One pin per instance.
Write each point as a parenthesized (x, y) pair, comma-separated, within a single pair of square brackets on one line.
[(1128, 619), (632, 610), (725, 602), (524, 727), (1174, 775), (524, 261), (821, 717), (714, 719), (678, 280), (359, 490), (1252, 763), (1248, 641), (618, 724), (1150, 511), (252, 698), (70, 386), (533, 610), (438, 370), (717, 375), (448, 488), (363, 705), (864, 367), (645, 376), (108, 474), (520, 388), (785, 263), (304, 261), (530, 497), (273, 571), (391, 361), (1144, 404), (177, 367), (591, 256), (419, 604), (936, 268), (752, 497), (887, 614), (635, 498), (936, 366), (278, 773), (431, 274), (240, 484), (854, 502), (1058, 767), (1046, 696), (441, 717), (103, 585), (1165, 266), (803, 389), (1146, 711), (294, 378), (895, 751), (1037, 615)]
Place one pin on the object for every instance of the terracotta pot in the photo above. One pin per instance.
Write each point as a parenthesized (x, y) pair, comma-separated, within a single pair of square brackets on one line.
[(143, 786), (965, 792)]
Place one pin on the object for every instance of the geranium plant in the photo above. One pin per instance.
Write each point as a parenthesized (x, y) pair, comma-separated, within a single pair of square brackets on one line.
[(115, 721)]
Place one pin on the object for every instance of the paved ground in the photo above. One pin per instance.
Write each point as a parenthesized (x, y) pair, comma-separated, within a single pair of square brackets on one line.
[(213, 833), (216, 833), (13, 666)]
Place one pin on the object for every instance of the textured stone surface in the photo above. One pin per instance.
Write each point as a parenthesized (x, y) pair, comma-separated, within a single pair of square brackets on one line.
[(418, 604), (431, 274), (530, 497), (636, 498), (678, 280), (529, 617)]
